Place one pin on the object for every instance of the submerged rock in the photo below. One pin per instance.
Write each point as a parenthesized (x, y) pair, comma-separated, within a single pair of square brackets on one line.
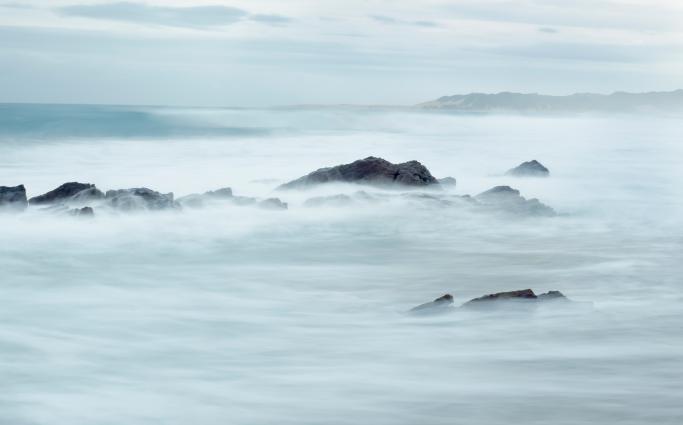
[(507, 199), (448, 181), (531, 168), (13, 198), (371, 171), (439, 305), (139, 199), (68, 192)]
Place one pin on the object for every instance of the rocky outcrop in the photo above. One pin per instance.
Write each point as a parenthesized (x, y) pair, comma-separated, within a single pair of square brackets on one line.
[(370, 171), (439, 305), (507, 199), (531, 168), (13, 198), (139, 199), (68, 192)]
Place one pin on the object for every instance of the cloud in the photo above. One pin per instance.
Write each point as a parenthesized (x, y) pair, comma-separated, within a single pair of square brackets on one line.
[(16, 5), (189, 17), (270, 19), (548, 30), (388, 20)]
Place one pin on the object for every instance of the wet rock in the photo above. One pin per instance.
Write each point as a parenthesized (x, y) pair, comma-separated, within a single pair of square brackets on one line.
[(139, 199), (505, 198), (531, 168), (371, 171), (439, 305), (13, 198), (272, 204), (448, 182), (68, 192), (82, 212)]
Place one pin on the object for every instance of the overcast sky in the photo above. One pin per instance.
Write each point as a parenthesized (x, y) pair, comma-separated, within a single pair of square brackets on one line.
[(275, 52)]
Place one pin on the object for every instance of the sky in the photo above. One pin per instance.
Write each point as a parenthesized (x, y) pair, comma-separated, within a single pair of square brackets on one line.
[(284, 52)]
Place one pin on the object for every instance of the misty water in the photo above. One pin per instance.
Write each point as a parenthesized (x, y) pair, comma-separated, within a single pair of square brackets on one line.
[(239, 315)]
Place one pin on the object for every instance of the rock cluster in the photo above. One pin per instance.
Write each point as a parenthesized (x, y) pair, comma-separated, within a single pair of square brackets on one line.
[(522, 297)]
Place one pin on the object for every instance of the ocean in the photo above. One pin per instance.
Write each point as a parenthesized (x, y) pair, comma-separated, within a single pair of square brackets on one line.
[(238, 315)]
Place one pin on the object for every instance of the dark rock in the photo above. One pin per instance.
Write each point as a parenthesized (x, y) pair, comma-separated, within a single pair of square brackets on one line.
[(13, 198), (273, 204), (523, 294), (140, 199), (531, 168), (82, 212), (68, 192), (505, 198), (448, 181), (439, 305), (372, 171)]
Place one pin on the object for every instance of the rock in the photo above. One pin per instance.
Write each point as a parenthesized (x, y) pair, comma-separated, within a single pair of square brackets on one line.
[(523, 294), (531, 168), (339, 200), (13, 198), (272, 204), (140, 199), (197, 200), (552, 295), (68, 192), (507, 199), (448, 181), (439, 305), (371, 171), (82, 212)]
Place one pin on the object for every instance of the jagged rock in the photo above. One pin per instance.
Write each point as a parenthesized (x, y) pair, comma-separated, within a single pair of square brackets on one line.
[(448, 181), (13, 198), (531, 168), (197, 200), (272, 204), (139, 199), (68, 192), (439, 305), (507, 199), (82, 212), (372, 171), (552, 295)]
